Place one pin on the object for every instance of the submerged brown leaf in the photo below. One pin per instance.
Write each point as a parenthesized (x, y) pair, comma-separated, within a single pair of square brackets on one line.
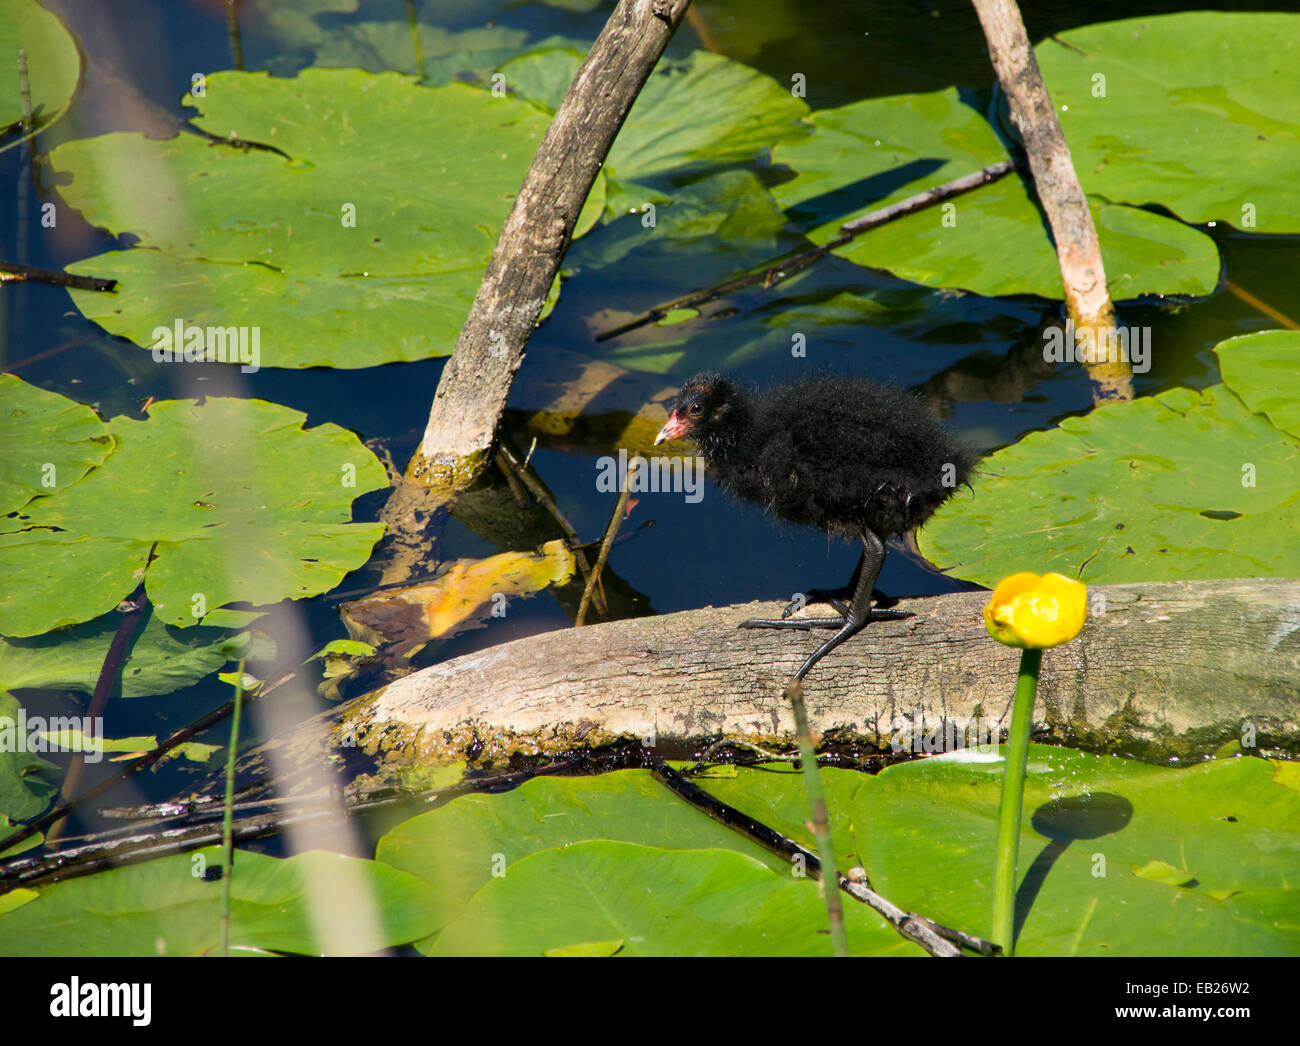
[(462, 597)]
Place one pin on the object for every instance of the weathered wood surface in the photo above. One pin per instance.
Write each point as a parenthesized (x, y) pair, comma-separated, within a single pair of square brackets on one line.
[(1162, 669)]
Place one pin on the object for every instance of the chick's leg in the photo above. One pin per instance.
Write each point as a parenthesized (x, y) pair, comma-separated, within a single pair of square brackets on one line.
[(857, 615)]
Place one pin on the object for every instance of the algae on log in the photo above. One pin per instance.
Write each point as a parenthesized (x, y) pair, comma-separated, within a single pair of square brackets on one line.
[(1160, 669)]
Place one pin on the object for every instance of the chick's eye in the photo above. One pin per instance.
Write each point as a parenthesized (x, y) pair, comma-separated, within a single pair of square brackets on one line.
[(695, 410)]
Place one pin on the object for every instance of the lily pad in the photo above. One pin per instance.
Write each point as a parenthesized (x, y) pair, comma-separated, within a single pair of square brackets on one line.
[(53, 65), (1116, 857), (1197, 112), (25, 788), (656, 902), (736, 113), (72, 441), (576, 864), (457, 846), (1261, 368), (464, 595), (318, 236), (161, 660), (1181, 485), (468, 42), (993, 240), (166, 907), (240, 501)]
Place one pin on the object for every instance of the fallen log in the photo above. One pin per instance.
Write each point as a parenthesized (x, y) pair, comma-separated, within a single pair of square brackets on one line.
[(1161, 670)]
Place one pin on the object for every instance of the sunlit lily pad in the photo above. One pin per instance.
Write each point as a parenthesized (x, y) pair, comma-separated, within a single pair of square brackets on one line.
[(454, 846), (53, 65), (600, 859), (72, 441), (656, 902), (1261, 368), (1116, 857), (243, 504), (26, 778), (462, 597), (1185, 484), (991, 241), (311, 904), (161, 660), (1197, 112), (646, 846), (353, 232)]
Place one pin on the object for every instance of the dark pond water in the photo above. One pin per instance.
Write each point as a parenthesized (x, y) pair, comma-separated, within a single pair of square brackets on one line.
[(141, 56)]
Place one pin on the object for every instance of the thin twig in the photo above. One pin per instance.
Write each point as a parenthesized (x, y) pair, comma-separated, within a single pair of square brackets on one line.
[(135, 766), (236, 39), (934, 937), (706, 756), (25, 91), (1256, 303), (29, 274), (122, 846), (783, 269), (27, 361), (539, 492), (920, 201), (611, 531), (137, 604), (413, 23), (512, 481)]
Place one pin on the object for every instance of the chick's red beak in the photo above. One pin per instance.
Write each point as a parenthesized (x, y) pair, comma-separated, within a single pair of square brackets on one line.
[(674, 428)]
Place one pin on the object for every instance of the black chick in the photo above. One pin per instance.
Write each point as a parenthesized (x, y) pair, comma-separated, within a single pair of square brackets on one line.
[(845, 454)]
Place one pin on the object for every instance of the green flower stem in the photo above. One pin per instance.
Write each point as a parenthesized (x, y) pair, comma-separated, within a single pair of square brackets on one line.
[(1013, 798), (227, 834), (820, 822)]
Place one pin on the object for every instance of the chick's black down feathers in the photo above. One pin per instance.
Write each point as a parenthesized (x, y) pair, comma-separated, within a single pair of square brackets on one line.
[(837, 452)]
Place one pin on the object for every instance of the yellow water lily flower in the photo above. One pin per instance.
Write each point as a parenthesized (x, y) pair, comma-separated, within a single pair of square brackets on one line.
[(1036, 612)]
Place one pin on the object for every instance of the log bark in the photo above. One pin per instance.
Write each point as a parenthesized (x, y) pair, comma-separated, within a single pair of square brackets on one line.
[(1160, 670), (1083, 275)]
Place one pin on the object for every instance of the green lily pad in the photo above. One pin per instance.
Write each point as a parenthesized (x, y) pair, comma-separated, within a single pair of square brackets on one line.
[(458, 847), (53, 65), (564, 865), (161, 660), (242, 504), (165, 907), (467, 43), (72, 441), (1197, 112), (464, 846), (1118, 858), (318, 238), (16, 898), (657, 902), (993, 240), (1261, 368), (1181, 485), (736, 112), (25, 790)]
